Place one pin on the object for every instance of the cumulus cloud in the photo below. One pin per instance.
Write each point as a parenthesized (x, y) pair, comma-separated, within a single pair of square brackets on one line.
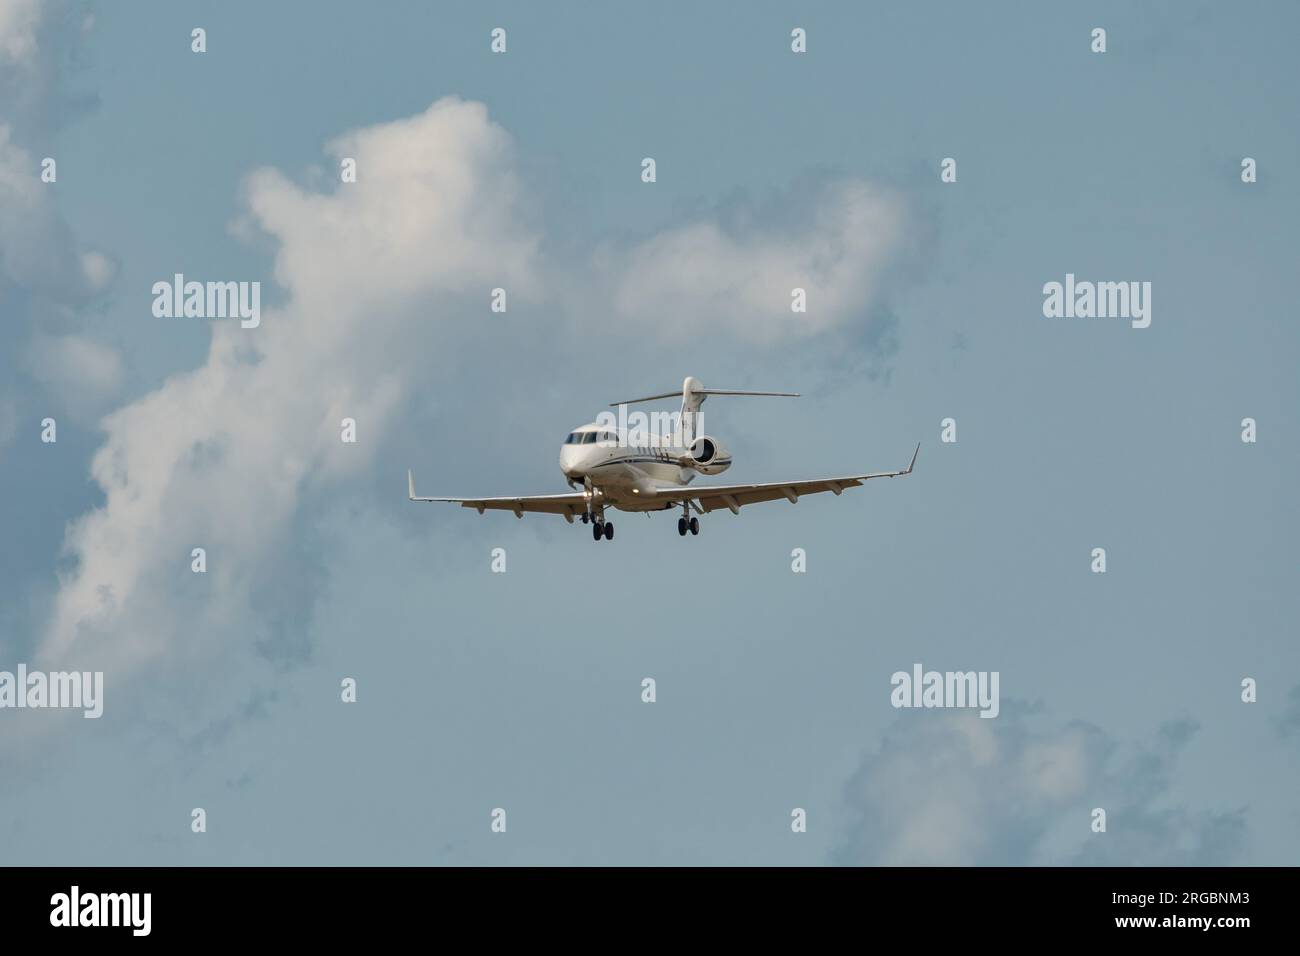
[(82, 373), (97, 269), (49, 283), (378, 277), (47, 277), (835, 242), (950, 788), (36, 247), (18, 23)]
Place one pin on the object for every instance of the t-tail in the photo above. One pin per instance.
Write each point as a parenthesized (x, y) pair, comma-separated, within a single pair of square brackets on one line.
[(693, 394)]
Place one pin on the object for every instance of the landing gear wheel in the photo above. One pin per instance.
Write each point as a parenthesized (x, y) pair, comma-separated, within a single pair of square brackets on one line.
[(585, 517), (596, 529), (609, 531), (681, 526), (695, 526)]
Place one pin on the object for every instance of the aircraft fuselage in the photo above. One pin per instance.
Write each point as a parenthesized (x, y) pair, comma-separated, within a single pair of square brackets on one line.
[(618, 472)]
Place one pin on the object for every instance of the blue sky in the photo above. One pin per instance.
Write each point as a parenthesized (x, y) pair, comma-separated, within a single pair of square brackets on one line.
[(523, 690)]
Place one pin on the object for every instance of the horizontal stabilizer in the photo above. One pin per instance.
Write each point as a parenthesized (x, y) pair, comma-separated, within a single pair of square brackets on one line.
[(692, 387)]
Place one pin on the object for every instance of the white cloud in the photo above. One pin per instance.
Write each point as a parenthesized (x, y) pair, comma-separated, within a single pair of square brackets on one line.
[(98, 269), (19, 189), (950, 788), (83, 374), (946, 789), (37, 249), (18, 22), (700, 276), (222, 456)]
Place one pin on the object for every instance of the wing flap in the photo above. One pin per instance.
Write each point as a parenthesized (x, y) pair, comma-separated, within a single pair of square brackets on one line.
[(570, 506)]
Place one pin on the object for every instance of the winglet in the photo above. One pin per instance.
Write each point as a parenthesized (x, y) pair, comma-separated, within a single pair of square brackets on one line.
[(410, 486), (909, 465)]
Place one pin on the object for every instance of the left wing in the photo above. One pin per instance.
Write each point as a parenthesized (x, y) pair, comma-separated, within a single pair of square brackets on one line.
[(568, 505), (713, 497)]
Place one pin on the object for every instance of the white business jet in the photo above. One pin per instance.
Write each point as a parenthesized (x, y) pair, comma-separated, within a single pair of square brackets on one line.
[(633, 470)]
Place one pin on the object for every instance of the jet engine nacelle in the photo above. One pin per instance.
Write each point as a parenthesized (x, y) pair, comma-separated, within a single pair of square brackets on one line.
[(709, 456)]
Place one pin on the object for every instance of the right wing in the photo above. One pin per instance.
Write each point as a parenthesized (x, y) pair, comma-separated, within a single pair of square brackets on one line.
[(569, 505), (712, 497)]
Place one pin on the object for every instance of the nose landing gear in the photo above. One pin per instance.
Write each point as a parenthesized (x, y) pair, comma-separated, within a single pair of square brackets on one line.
[(595, 515)]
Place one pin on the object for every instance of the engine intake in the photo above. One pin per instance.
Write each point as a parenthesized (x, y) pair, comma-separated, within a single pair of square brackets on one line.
[(708, 456)]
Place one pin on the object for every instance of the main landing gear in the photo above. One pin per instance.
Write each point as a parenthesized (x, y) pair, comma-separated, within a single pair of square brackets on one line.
[(686, 522), (601, 529)]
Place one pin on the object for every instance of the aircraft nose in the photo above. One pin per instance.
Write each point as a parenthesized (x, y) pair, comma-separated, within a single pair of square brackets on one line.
[(569, 462)]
